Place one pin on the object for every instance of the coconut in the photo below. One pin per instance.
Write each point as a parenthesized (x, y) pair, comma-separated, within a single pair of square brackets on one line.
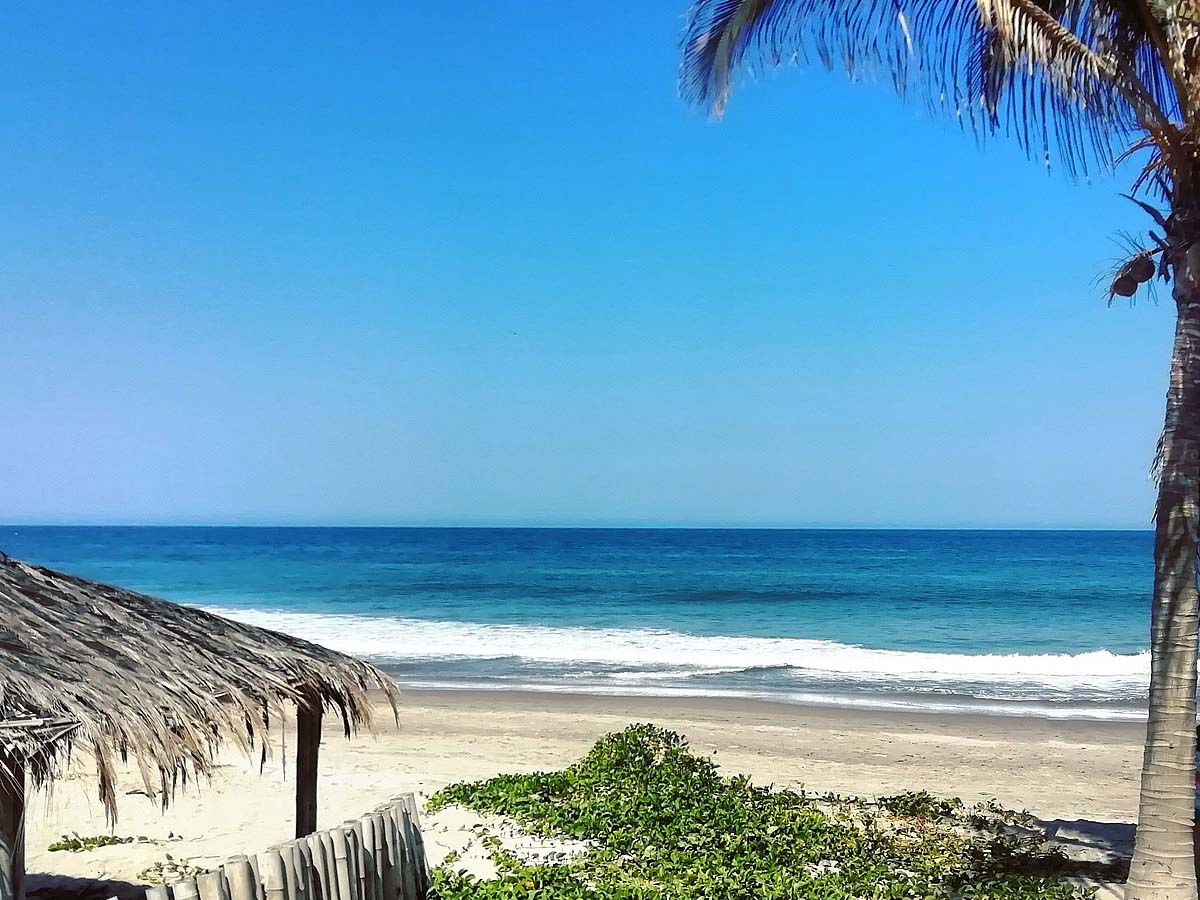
[(1124, 286), (1140, 269)]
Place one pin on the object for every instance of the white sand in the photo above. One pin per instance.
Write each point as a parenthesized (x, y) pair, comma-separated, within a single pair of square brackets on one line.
[(1079, 776), (460, 832)]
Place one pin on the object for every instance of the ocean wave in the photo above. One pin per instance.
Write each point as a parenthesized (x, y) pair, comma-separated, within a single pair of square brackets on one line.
[(643, 650)]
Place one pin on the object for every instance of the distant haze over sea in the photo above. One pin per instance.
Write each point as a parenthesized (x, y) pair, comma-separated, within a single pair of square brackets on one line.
[(1047, 623)]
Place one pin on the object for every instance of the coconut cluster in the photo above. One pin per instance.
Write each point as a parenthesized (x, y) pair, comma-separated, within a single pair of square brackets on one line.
[(1137, 271)]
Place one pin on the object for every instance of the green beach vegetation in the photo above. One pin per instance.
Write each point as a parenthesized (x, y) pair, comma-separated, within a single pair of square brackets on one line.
[(77, 843), (661, 822)]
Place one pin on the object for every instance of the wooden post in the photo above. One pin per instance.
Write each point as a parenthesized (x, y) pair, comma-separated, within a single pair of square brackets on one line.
[(408, 884), (410, 803), (306, 872), (395, 865), (381, 856), (274, 879), (258, 885), (365, 830), (240, 877), (212, 886), (158, 892), (411, 887), (418, 842), (354, 840), (291, 876), (342, 864), (322, 883), (326, 839), (185, 890), (12, 827), (308, 748)]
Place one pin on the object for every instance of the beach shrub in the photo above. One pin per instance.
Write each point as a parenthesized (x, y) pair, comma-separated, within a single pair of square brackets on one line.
[(921, 805), (661, 822)]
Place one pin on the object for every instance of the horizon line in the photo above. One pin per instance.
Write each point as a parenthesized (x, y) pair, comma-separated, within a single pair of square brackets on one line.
[(574, 526)]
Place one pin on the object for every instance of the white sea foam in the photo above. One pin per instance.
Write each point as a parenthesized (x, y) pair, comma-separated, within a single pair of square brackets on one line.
[(1099, 673)]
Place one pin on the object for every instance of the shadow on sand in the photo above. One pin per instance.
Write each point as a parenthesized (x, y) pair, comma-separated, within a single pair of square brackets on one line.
[(1098, 850), (39, 886)]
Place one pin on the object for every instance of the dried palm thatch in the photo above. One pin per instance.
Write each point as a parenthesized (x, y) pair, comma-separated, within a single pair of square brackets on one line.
[(123, 674)]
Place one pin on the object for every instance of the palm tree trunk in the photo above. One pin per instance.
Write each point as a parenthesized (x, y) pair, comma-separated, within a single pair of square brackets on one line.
[(1163, 867)]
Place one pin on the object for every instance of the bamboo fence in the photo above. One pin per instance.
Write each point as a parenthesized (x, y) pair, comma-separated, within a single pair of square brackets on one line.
[(380, 856)]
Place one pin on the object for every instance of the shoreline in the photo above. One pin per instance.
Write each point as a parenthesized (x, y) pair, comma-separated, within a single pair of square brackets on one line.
[(1073, 774), (733, 704), (920, 705)]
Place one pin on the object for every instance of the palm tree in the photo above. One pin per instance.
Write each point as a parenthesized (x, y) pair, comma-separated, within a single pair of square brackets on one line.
[(1087, 84)]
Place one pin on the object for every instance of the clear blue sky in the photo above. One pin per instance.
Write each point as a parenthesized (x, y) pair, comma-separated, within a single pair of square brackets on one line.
[(447, 263)]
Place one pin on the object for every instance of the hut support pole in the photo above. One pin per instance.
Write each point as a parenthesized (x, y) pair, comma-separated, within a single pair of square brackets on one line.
[(308, 747), (12, 827)]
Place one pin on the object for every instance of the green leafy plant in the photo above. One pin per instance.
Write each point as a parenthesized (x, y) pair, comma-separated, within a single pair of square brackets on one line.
[(76, 843), (169, 870), (661, 823), (921, 805)]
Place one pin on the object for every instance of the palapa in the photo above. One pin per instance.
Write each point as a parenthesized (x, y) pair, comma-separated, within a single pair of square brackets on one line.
[(121, 674)]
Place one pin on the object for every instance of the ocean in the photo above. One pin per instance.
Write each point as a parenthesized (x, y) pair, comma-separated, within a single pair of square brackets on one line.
[(1045, 623)]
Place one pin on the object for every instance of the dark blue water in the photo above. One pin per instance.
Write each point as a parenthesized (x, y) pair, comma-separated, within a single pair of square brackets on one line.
[(1046, 622)]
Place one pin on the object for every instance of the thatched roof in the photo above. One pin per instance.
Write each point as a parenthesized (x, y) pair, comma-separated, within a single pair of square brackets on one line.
[(120, 673)]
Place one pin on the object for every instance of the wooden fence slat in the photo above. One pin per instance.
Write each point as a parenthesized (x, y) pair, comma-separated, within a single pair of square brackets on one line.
[(410, 889), (212, 886), (364, 828), (330, 864), (407, 804), (395, 869), (341, 858), (258, 885), (306, 873), (354, 838), (426, 874), (381, 857), (410, 802), (402, 862), (240, 877), (274, 879), (402, 848), (290, 876), (373, 849), (418, 845), (412, 883), (320, 881)]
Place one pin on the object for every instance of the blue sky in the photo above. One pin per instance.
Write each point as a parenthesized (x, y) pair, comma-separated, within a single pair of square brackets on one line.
[(473, 264)]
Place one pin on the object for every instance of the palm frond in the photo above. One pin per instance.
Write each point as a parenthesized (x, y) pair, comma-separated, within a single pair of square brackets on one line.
[(1067, 75)]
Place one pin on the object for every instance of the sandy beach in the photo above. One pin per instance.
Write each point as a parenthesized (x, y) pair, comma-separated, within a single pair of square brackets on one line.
[(1079, 772)]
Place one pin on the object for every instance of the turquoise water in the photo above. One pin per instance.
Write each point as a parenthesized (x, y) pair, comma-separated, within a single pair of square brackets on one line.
[(1039, 622)]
